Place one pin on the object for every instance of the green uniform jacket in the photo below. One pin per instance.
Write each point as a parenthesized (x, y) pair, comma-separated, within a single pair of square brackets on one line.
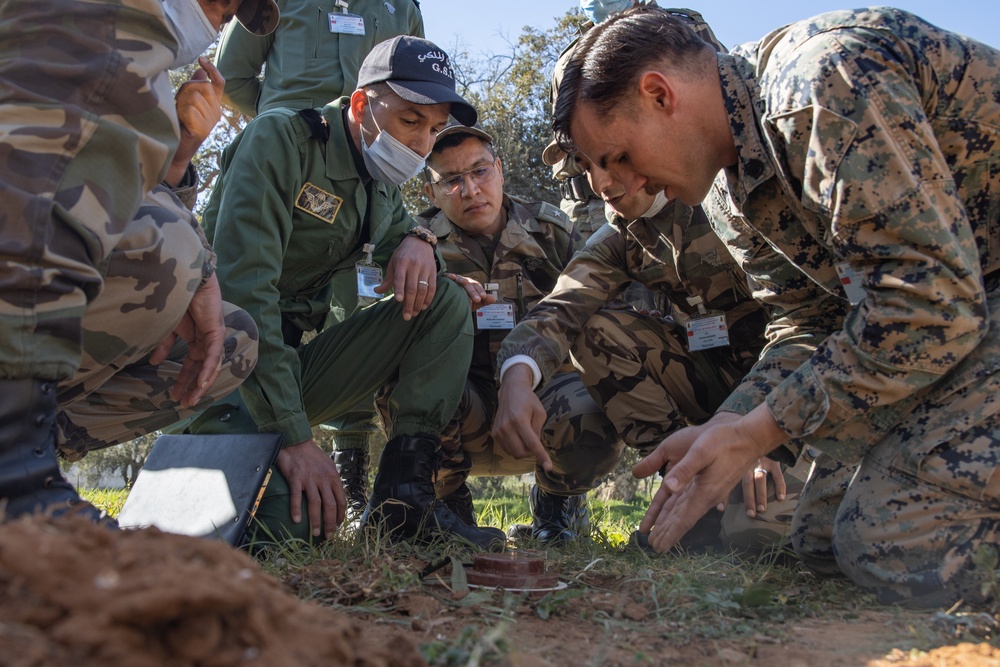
[(306, 65), (673, 253), (534, 247), (868, 139), (288, 213)]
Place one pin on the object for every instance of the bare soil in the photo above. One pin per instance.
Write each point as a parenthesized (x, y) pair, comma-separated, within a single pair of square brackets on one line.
[(76, 594)]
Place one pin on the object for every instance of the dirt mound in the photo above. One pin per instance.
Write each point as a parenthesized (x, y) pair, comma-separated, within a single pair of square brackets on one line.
[(961, 655), (79, 594)]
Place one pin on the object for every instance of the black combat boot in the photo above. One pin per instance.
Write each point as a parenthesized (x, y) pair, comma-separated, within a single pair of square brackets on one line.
[(403, 504), (459, 501), (558, 518), (352, 464), (30, 480)]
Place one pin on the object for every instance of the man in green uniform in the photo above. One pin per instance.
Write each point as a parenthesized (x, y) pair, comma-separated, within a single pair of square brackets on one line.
[(305, 196), (313, 56), (858, 154), (89, 126), (508, 253)]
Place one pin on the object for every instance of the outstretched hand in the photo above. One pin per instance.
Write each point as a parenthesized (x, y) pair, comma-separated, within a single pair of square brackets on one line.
[(520, 416), (703, 464)]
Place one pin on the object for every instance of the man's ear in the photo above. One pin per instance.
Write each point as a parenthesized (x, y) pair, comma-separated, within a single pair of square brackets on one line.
[(657, 91), (429, 191), (500, 170), (359, 100)]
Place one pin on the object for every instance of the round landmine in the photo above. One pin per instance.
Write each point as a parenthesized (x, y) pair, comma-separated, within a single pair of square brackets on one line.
[(524, 570)]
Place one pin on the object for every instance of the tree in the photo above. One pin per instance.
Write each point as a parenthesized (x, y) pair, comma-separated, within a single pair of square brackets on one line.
[(511, 92)]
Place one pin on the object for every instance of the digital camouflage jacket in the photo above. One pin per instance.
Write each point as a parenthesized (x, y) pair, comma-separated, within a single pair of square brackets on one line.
[(868, 141)]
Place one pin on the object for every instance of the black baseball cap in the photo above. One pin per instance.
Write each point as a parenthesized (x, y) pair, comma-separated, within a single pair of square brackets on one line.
[(418, 71), (259, 17)]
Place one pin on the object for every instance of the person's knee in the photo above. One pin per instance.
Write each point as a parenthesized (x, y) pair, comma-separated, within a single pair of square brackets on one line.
[(272, 522), (934, 567), (449, 297), (811, 539)]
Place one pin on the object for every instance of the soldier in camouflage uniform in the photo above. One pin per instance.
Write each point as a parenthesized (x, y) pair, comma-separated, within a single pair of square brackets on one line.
[(643, 370), (154, 267), (517, 249), (89, 127), (859, 186)]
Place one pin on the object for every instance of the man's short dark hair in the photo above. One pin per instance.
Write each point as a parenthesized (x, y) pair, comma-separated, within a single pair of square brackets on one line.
[(610, 57)]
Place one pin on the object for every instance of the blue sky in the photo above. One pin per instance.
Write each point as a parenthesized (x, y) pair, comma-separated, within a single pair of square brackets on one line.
[(481, 25)]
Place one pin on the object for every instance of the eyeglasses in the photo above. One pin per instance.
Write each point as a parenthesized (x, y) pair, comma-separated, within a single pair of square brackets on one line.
[(479, 175)]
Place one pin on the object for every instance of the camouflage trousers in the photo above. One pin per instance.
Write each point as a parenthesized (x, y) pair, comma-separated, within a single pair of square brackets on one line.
[(87, 127), (649, 384), (150, 278), (581, 442), (646, 380), (917, 519)]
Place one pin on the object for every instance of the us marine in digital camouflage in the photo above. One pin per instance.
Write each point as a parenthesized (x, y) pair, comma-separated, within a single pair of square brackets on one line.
[(584, 207), (862, 146)]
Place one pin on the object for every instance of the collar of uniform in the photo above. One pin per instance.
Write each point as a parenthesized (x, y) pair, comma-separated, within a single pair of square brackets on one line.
[(740, 93), (340, 151)]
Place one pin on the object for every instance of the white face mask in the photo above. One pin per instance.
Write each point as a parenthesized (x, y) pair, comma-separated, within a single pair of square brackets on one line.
[(388, 159), (194, 32), (658, 203)]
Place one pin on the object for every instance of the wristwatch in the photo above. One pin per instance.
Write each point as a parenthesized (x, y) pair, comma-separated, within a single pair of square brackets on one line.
[(423, 234)]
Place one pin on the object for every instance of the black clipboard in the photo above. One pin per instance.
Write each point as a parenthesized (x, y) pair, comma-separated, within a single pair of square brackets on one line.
[(202, 485)]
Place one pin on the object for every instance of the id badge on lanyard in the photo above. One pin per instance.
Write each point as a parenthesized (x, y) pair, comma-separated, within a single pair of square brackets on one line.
[(850, 280), (497, 315), (344, 23), (369, 275), (707, 329)]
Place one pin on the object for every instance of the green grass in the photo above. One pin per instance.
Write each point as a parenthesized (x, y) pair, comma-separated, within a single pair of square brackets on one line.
[(110, 500), (710, 596)]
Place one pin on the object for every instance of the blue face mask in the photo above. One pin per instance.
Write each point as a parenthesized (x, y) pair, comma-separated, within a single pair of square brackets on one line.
[(598, 10), (388, 159), (195, 33)]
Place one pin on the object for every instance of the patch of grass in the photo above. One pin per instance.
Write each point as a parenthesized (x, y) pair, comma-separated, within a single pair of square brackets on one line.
[(109, 500), (682, 597)]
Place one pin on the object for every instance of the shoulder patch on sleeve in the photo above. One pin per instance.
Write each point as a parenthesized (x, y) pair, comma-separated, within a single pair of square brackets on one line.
[(546, 212), (318, 202)]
